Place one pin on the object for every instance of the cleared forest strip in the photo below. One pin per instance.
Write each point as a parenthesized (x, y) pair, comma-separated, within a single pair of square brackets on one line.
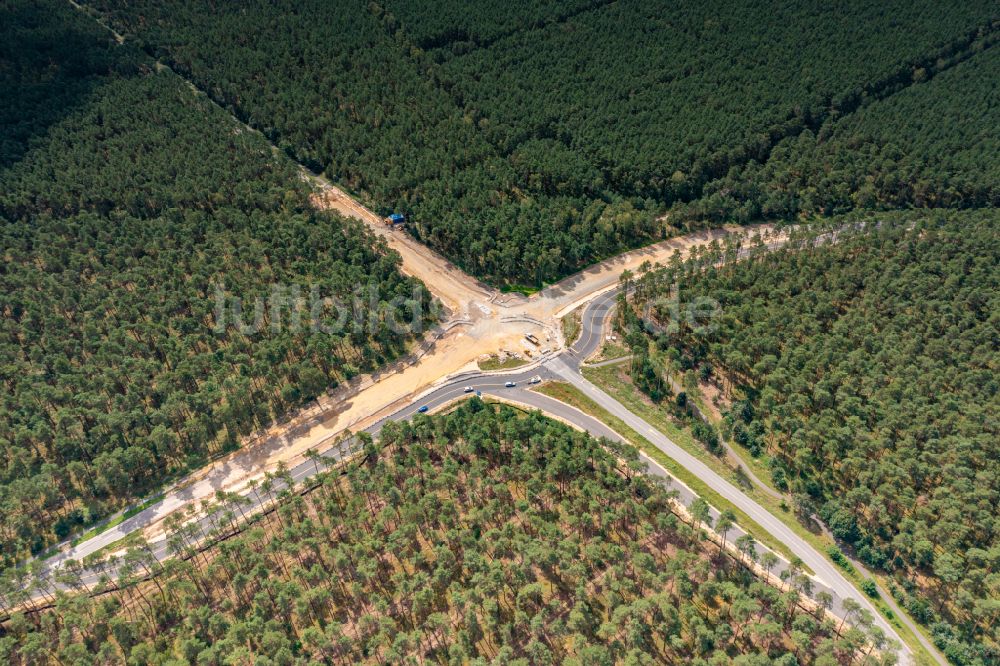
[(452, 286), (447, 282)]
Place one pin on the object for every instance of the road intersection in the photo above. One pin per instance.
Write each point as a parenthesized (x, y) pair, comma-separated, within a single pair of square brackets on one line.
[(481, 318), (565, 365), (478, 320)]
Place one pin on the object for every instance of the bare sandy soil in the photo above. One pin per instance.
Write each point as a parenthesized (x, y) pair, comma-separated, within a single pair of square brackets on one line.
[(448, 283), (714, 399), (479, 321), (573, 291)]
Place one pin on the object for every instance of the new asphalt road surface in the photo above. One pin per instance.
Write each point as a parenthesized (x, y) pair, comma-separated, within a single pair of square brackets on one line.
[(515, 387)]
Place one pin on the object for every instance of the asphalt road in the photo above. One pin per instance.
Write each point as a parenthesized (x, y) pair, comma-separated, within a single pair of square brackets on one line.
[(565, 366), (593, 322)]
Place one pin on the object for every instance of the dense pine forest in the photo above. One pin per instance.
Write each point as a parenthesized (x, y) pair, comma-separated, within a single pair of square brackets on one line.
[(125, 201), (670, 97), (526, 144), (934, 144), (524, 141), (332, 85), (865, 371), (485, 536), (458, 27)]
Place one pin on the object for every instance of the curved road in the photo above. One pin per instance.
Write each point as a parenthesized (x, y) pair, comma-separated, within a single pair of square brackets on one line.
[(563, 365)]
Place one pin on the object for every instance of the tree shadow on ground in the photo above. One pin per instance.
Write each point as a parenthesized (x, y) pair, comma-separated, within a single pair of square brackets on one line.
[(51, 59)]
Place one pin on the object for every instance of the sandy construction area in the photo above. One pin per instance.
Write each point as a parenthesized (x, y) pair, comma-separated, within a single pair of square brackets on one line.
[(480, 321), (448, 283)]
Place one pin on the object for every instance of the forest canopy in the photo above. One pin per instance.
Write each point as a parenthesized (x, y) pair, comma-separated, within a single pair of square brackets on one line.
[(866, 371), (525, 143), (934, 144), (486, 535), (121, 214)]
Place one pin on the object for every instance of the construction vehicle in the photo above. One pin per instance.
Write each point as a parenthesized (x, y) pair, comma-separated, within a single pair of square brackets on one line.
[(532, 339), (394, 220)]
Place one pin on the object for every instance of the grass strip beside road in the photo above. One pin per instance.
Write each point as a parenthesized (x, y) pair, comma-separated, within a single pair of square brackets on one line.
[(524, 289), (614, 380), (117, 520), (571, 326), (610, 351), (133, 540), (610, 380), (509, 363), (572, 396), (758, 466)]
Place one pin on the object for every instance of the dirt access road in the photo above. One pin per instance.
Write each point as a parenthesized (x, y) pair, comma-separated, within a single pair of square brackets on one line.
[(479, 320), (455, 289)]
